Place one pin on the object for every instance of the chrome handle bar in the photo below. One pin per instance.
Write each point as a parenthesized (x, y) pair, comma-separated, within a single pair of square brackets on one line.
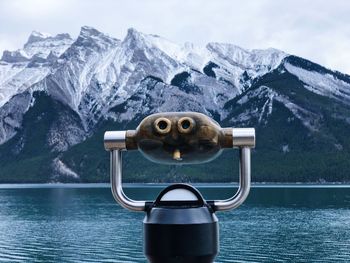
[(244, 138)]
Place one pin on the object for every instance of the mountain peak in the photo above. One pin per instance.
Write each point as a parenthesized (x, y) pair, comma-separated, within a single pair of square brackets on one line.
[(39, 34), (36, 36), (134, 31), (135, 38), (89, 31), (89, 35), (134, 35)]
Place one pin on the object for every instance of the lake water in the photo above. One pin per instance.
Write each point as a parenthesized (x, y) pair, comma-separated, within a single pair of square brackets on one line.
[(276, 224)]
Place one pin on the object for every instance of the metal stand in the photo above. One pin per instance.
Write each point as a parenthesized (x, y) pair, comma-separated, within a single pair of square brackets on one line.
[(180, 226)]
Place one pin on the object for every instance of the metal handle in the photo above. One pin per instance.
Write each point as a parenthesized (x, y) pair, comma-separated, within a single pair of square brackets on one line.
[(244, 184), (243, 138), (116, 184), (114, 141)]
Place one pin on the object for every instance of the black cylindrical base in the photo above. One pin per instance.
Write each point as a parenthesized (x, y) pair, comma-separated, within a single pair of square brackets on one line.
[(181, 235)]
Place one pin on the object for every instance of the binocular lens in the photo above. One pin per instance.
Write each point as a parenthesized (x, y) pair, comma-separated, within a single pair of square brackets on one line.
[(185, 125), (162, 125)]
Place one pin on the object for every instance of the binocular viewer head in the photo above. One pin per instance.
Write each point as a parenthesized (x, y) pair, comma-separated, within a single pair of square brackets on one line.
[(180, 138)]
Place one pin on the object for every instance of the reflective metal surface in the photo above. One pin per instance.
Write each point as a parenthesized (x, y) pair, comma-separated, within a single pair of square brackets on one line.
[(243, 137), (114, 140), (244, 183), (116, 184)]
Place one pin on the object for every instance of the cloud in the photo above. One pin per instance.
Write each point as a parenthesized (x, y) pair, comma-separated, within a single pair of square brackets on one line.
[(316, 30), (35, 9)]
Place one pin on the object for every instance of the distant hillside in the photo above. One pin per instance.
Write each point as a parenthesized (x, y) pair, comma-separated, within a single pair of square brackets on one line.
[(58, 95)]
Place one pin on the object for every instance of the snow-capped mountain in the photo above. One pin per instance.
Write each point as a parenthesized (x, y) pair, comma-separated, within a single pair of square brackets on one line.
[(57, 94)]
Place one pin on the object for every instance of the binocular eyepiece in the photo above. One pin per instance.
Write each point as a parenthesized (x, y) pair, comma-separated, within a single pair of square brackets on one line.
[(180, 226)]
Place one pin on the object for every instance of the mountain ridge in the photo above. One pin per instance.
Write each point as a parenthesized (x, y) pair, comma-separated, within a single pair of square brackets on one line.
[(99, 82)]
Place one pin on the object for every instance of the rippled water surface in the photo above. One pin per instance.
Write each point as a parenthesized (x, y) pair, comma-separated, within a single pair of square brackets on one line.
[(293, 224)]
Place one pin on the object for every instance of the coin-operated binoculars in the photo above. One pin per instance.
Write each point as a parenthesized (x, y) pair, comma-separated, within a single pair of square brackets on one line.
[(180, 226)]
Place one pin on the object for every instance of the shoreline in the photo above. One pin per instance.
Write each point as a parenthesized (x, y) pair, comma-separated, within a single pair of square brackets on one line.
[(161, 185)]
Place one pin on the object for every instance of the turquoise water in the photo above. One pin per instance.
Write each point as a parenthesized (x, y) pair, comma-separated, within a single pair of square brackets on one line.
[(276, 224)]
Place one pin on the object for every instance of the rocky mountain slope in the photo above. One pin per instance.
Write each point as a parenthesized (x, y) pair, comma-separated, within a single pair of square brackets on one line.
[(58, 95)]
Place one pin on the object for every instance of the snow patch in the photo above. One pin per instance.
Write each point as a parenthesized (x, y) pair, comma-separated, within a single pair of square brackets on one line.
[(62, 169), (309, 119), (285, 148), (322, 84), (266, 94), (338, 146)]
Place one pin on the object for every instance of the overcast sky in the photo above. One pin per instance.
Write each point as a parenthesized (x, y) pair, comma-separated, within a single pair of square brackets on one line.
[(316, 30)]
